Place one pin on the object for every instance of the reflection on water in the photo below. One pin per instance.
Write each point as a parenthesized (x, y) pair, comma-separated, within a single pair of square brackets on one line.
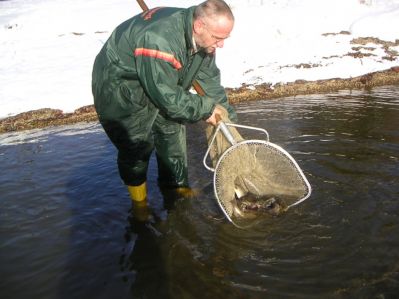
[(66, 229)]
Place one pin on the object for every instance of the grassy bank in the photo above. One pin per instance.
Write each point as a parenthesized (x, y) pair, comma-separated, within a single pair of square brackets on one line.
[(52, 117)]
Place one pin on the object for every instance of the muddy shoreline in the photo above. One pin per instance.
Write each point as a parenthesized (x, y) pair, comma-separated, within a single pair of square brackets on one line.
[(46, 117)]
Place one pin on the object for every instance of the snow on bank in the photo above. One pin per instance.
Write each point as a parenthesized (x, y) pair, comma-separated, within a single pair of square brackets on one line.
[(47, 47)]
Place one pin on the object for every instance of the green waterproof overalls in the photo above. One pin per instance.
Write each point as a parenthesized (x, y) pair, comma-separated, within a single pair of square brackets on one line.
[(141, 81)]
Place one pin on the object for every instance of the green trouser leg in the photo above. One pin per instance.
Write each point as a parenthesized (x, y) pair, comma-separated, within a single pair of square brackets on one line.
[(135, 148), (133, 152), (171, 152)]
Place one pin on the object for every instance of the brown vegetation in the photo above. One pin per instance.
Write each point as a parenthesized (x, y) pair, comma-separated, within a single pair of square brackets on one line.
[(52, 117)]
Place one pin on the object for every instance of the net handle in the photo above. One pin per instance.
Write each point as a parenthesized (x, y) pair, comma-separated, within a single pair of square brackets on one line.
[(249, 128), (226, 132), (222, 126), (209, 149)]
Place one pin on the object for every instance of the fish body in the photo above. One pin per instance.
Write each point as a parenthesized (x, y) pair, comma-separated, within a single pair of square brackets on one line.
[(251, 205)]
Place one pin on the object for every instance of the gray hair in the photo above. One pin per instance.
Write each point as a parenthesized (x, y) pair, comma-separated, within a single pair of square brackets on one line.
[(213, 9)]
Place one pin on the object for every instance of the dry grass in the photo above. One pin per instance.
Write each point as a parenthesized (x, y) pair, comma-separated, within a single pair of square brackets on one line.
[(301, 87), (50, 117)]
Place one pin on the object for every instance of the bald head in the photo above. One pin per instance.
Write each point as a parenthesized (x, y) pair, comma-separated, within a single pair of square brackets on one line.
[(213, 10)]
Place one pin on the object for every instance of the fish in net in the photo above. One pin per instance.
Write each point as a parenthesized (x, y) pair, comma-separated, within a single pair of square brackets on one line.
[(252, 177)]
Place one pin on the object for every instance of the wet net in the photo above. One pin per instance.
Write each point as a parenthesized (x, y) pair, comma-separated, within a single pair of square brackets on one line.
[(256, 167)]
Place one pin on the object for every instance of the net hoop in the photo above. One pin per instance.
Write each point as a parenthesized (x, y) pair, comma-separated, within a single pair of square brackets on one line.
[(268, 145)]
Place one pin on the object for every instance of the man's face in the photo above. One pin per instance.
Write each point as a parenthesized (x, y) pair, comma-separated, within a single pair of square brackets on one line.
[(210, 34)]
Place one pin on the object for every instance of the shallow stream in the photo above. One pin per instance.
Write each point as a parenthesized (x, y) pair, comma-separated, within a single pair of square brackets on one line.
[(66, 229)]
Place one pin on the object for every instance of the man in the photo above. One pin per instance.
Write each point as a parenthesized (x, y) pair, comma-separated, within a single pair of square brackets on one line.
[(141, 82)]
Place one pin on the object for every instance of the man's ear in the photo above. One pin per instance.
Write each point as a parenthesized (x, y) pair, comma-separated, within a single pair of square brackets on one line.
[(198, 26)]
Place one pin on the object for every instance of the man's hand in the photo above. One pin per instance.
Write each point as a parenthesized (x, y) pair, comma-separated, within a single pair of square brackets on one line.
[(215, 117)]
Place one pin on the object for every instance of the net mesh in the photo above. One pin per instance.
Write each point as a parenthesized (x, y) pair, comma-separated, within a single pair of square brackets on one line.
[(253, 166), (259, 168)]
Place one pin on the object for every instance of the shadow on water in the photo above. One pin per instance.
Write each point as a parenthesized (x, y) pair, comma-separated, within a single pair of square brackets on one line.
[(66, 230), (112, 253)]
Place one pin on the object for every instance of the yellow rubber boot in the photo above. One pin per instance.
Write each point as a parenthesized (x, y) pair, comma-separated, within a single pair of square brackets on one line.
[(138, 195), (179, 192), (186, 192)]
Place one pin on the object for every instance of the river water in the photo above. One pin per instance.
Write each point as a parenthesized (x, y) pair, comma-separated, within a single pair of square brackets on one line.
[(67, 232)]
